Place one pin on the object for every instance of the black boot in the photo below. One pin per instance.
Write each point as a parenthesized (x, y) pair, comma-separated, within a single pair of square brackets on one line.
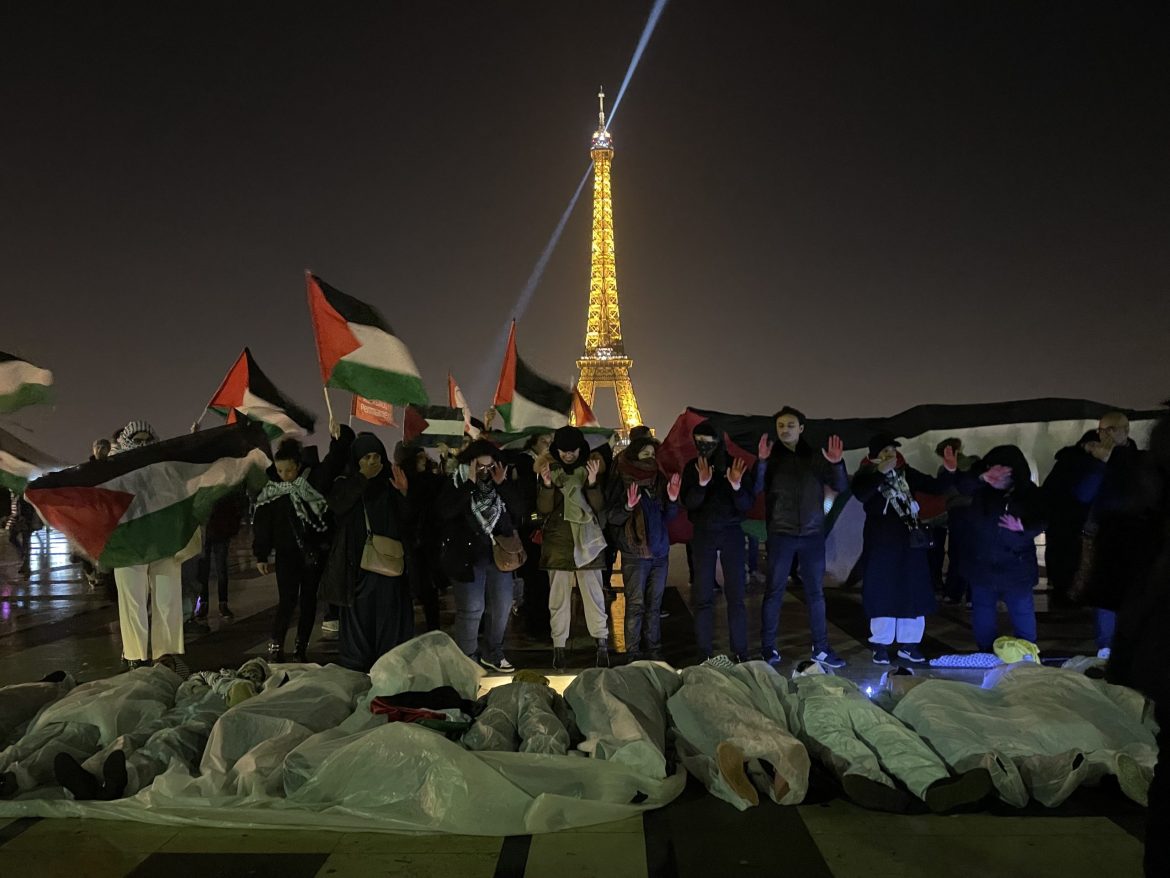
[(602, 652), (69, 773), (301, 651), (559, 658)]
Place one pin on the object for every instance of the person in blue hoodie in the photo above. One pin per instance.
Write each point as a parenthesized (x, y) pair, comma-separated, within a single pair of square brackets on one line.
[(640, 501), (718, 491)]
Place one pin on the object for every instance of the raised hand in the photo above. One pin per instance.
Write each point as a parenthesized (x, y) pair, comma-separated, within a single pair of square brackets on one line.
[(889, 464), (1011, 522), (1100, 450), (263, 567), (950, 459), (398, 479), (705, 471), (835, 450), (545, 472), (633, 495), (674, 487), (997, 475), (370, 465), (334, 429), (765, 449), (735, 472), (499, 472), (592, 468)]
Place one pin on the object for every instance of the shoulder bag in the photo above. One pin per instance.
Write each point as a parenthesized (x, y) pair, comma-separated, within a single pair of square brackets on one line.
[(384, 555)]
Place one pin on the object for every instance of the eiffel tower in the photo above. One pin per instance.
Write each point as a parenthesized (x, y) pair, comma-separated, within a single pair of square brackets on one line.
[(604, 362)]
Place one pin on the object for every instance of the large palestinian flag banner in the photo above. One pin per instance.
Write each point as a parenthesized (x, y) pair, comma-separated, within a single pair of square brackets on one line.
[(249, 391), (22, 383), (526, 400), (146, 504), (357, 349), (430, 425)]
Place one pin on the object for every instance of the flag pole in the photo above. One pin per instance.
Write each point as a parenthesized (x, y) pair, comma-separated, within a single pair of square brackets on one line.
[(328, 404)]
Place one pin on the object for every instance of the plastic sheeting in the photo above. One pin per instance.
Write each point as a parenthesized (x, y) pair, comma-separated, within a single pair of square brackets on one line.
[(852, 735), (520, 716), (622, 714), (741, 705), (1042, 732), (20, 703)]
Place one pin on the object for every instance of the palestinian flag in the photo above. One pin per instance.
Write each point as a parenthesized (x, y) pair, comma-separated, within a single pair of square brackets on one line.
[(357, 349), (22, 383), (248, 391), (525, 399), (432, 424), (456, 400), (582, 415), (146, 504), (14, 474)]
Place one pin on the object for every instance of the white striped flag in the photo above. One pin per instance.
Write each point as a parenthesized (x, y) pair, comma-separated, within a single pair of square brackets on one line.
[(248, 390), (22, 383), (525, 399)]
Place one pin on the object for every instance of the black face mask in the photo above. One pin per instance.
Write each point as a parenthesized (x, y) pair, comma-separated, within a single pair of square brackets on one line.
[(707, 447)]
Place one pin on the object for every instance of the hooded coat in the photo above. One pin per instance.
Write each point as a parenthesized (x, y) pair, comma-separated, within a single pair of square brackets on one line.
[(715, 507), (994, 557), (351, 498), (556, 549), (896, 580)]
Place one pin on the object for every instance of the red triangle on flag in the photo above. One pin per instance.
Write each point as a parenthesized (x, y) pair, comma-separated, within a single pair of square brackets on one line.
[(88, 515), (334, 337), (582, 415), (413, 424), (507, 386), (230, 395)]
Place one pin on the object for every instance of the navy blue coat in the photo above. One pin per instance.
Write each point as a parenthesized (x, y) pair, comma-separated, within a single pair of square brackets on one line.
[(896, 580), (994, 557)]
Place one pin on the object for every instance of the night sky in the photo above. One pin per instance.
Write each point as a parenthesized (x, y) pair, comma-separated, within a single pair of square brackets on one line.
[(853, 208)]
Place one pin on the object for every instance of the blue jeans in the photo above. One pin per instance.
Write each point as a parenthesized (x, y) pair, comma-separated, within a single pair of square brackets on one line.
[(488, 588), (706, 548), (983, 610), (214, 560), (645, 580), (809, 553), (1104, 625)]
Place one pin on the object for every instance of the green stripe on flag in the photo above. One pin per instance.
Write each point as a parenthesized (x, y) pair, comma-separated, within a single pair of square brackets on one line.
[(26, 394), (373, 383), (13, 483)]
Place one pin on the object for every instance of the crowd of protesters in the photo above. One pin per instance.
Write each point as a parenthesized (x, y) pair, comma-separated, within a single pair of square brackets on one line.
[(511, 534)]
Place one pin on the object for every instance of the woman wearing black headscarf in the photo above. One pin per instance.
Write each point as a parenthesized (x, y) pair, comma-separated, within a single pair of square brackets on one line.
[(376, 611), (569, 497)]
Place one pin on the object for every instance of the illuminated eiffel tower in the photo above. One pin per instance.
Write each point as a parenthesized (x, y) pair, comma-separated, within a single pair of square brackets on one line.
[(604, 363)]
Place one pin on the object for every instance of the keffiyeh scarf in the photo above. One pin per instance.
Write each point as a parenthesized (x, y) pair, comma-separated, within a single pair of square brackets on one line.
[(307, 502)]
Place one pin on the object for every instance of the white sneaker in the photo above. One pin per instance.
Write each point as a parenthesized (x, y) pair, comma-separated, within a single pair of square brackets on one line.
[(1103, 652), (331, 626), (500, 664)]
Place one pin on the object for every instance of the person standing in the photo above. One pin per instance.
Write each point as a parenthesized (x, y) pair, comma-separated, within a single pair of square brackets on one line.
[(425, 551), (291, 519), (366, 578), (222, 527), (570, 501), (793, 479), (717, 494), (150, 596), (477, 505), (998, 534), (640, 502), (897, 591), (948, 545)]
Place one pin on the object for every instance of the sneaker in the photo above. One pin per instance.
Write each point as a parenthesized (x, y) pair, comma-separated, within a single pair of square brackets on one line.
[(719, 662), (301, 651), (874, 795), (881, 654), (911, 653), (200, 609), (828, 658), (225, 612), (559, 663), (964, 790), (331, 626), (662, 614), (275, 651), (499, 663), (1104, 652), (771, 656)]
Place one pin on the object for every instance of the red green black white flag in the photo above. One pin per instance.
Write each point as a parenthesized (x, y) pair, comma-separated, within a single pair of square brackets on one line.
[(526, 400), (357, 349), (22, 383), (249, 391)]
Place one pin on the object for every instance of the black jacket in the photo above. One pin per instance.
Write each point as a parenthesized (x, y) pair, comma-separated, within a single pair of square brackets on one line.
[(715, 507), (464, 543), (794, 485)]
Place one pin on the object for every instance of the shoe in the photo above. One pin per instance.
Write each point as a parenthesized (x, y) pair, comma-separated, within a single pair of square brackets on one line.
[(1104, 653), (662, 614), (301, 651), (771, 656), (499, 663), (114, 776), (874, 795), (225, 612), (331, 626), (195, 626), (132, 664), (200, 609), (881, 654), (275, 651), (81, 784), (730, 760), (828, 658), (911, 653), (559, 659), (970, 788), (719, 663), (8, 785), (654, 655), (741, 659), (602, 653)]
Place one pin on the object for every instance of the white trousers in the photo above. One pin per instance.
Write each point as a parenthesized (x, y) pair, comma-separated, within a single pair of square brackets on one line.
[(150, 609), (886, 630), (560, 593)]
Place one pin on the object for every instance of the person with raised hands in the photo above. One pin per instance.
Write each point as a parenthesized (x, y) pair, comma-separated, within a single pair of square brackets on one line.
[(794, 479), (718, 491)]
